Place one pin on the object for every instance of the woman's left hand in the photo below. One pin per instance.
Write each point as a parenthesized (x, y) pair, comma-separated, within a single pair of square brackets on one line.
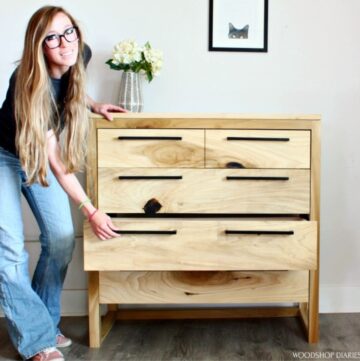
[(106, 109)]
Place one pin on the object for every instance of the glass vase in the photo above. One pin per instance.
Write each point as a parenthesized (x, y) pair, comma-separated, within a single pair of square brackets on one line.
[(130, 97)]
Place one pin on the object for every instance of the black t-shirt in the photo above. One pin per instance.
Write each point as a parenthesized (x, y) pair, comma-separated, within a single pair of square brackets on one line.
[(7, 114)]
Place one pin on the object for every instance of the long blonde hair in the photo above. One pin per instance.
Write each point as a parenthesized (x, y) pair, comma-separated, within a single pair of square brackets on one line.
[(35, 106)]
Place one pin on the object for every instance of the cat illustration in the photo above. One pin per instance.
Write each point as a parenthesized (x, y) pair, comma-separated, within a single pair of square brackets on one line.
[(238, 33)]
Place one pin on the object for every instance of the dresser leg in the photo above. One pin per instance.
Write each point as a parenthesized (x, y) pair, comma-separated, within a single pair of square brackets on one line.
[(94, 310), (309, 311), (313, 331)]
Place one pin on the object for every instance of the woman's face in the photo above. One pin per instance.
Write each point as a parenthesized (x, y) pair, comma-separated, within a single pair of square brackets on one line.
[(60, 58)]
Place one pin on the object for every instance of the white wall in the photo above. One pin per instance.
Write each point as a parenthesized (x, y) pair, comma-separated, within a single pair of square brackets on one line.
[(312, 66)]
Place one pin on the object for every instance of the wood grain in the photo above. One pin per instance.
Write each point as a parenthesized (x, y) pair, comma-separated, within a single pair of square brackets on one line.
[(313, 307), (187, 152), (207, 121), (206, 313), (203, 245), (203, 287), (94, 310), (205, 191), (294, 153)]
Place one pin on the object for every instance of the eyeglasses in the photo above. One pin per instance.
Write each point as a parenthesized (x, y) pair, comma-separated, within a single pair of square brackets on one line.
[(54, 40)]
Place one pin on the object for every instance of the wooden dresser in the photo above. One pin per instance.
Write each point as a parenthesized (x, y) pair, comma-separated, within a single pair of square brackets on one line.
[(213, 209)]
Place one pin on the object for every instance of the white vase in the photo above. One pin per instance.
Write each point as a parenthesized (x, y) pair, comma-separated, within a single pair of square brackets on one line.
[(130, 97)]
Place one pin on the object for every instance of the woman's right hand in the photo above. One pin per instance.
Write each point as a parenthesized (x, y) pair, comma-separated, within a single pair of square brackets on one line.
[(102, 226)]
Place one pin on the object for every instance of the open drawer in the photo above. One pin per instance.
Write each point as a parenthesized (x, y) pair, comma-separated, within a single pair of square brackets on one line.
[(203, 245)]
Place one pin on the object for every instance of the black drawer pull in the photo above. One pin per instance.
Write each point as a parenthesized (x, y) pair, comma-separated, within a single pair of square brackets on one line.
[(145, 232), (259, 232), (149, 138), (260, 139), (258, 178), (136, 177)]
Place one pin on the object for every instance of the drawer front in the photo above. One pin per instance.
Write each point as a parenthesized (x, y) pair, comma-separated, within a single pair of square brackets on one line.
[(209, 191), (257, 149), (204, 287), (203, 245), (151, 148)]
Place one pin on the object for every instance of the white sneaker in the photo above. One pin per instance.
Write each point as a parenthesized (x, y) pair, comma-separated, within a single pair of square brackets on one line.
[(62, 341), (49, 354)]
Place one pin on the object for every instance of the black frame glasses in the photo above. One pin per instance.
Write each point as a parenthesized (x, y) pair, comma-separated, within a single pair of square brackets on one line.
[(53, 41)]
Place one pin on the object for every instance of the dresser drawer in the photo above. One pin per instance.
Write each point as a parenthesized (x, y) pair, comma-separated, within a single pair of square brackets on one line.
[(257, 149), (209, 191), (204, 245), (151, 148), (210, 287)]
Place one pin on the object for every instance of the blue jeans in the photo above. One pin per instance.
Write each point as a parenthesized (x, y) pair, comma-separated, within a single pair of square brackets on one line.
[(32, 309)]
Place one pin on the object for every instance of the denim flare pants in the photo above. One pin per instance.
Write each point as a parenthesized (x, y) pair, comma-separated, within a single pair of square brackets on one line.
[(32, 308)]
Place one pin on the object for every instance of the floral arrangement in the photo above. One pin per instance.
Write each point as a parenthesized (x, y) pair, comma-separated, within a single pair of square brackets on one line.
[(129, 56)]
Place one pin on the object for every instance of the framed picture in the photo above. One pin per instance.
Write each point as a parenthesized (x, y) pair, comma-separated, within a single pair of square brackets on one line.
[(238, 25)]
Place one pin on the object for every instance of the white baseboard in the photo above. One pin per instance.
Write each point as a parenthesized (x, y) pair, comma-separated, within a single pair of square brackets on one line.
[(333, 299), (339, 299), (73, 303)]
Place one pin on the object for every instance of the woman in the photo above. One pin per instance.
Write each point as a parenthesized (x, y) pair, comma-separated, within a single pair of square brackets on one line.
[(43, 130)]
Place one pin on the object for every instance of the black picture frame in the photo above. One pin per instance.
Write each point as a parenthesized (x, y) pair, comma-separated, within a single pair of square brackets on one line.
[(245, 36)]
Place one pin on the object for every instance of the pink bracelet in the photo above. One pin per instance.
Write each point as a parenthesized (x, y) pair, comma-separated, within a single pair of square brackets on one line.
[(92, 215)]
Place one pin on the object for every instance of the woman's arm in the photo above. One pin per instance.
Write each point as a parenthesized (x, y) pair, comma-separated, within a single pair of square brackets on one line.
[(100, 223), (103, 108)]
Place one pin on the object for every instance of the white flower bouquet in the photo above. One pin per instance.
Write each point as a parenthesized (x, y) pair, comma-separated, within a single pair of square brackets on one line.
[(129, 56)]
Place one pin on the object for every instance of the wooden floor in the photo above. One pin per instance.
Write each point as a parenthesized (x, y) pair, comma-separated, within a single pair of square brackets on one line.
[(221, 340)]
